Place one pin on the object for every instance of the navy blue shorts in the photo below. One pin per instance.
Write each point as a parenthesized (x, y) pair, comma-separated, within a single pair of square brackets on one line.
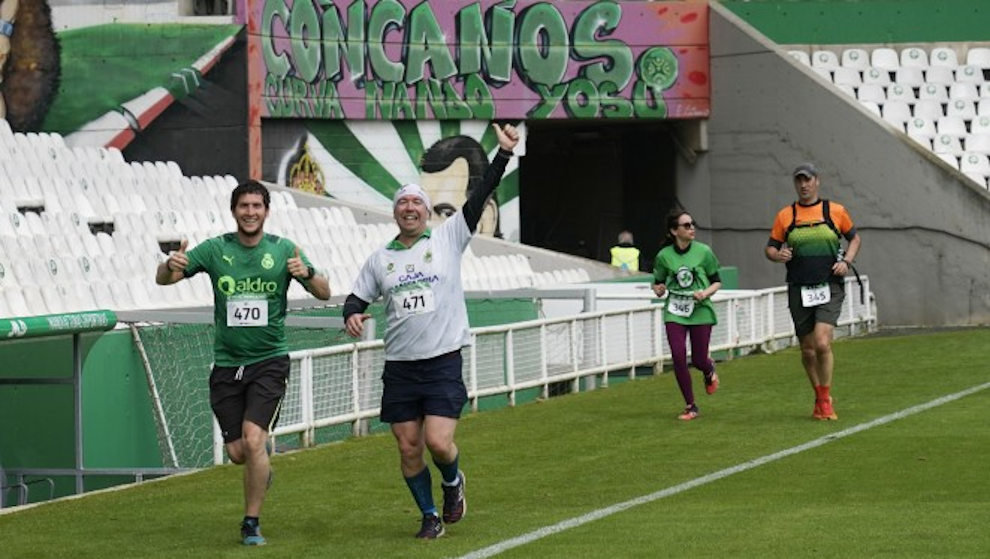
[(415, 389)]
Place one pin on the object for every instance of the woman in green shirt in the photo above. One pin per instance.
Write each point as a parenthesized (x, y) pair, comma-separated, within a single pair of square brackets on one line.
[(687, 271)]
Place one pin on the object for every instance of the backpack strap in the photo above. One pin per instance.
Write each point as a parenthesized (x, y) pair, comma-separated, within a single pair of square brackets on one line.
[(827, 216)]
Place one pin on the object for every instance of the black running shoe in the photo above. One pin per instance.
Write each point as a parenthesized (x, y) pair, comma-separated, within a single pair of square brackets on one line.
[(454, 504), (432, 527)]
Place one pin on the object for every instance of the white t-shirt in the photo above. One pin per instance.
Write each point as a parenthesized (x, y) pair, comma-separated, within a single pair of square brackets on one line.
[(424, 300)]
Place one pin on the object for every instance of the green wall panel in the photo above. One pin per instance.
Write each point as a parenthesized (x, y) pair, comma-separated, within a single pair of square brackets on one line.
[(823, 22)]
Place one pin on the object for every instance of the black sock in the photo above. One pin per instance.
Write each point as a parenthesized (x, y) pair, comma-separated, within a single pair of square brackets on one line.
[(252, 520)]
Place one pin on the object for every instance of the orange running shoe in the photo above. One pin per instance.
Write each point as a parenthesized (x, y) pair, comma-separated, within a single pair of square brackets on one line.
[(711, 383), (690, 413), (827, 411), (817, 414)]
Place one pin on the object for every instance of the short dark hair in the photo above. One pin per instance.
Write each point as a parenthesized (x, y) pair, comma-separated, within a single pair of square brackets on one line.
[(250, 187)]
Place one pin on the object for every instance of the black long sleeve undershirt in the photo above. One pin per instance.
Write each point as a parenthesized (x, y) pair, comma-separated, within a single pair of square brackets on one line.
[(474, 206), (354, 305)]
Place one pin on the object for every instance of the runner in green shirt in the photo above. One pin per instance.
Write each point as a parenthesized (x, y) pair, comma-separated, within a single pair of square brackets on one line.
[(687, 271), (250, 271)]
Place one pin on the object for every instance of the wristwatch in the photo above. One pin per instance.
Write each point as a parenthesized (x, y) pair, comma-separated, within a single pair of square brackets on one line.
[(310, 272), (6, 28)]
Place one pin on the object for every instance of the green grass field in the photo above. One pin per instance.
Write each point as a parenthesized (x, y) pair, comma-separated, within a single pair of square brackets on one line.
[(914, 487)]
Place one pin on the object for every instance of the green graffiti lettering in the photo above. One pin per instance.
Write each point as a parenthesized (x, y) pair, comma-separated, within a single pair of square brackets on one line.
[(334, 41), (304, 37), (430, 92), (426, 43), (543, 45), (613, 106), (479, 98), (385, 16), (602, 18), (582, 98), (456, 107), (403, 106), (549, 100), (647, 102), (298, 100), (273, 96), (277, 63), (475, 45)]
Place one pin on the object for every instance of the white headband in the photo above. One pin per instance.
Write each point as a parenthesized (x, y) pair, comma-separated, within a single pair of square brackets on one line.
[(416, 190)]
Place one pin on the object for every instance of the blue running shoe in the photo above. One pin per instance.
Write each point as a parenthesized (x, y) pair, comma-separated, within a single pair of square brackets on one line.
[(251, 534)]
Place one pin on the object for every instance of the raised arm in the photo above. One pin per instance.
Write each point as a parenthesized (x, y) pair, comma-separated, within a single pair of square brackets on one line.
[(474, 206)]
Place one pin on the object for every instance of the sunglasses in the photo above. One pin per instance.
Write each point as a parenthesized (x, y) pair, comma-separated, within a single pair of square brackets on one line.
[(687, 225)]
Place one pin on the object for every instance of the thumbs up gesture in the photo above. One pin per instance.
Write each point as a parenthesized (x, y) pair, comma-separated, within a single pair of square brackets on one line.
[(177, 261), (297, 267), (507, 136)]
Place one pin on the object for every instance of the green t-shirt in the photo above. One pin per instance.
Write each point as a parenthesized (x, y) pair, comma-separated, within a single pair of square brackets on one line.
[(249, 295), (684, 273)]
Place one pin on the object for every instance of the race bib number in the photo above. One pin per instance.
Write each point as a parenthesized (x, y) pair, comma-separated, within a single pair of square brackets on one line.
[(679, 305), (815, 295), (415, 301), (247, 312)]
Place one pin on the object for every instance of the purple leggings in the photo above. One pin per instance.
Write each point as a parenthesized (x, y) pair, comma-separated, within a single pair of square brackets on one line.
[(677, 338)]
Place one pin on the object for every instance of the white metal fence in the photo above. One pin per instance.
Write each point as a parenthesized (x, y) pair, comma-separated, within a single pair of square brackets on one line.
[(341, 384)]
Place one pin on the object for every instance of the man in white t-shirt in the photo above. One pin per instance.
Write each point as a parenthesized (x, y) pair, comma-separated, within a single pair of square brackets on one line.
[(419, 276)]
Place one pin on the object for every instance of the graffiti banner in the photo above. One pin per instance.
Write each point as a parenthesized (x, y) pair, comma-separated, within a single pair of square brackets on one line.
[(482, 60)]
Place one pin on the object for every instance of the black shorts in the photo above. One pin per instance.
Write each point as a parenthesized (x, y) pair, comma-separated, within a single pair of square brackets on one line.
[(415, 389), (252, 392), (805, 317)]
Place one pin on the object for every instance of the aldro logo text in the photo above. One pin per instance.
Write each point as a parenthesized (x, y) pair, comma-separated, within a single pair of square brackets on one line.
[(229, 286)]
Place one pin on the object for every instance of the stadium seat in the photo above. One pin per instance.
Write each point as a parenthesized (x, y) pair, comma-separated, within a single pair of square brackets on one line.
[(952, 125), (975, 163), (855, 58), (944, 56), (969, 74), (896, 112), (985, 90), (936, 92), (979, 57), (940, 75), (846, 76), (871, 92), (947, 143), (847, 89), (919, 127), (824, 59), (16, 303), (978, 143), (825, 73), (980, 125), (801, 56), (898, 92), (876, 76), (961, 107), (949, 159), (964, 90), (914, 57), (871, 106), (928, 109), (885, 59)]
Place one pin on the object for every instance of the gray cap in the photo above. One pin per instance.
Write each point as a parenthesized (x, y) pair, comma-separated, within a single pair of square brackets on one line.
[(807, 169)]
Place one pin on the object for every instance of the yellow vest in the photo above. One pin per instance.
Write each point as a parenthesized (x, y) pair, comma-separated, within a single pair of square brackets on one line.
[(626, 258)]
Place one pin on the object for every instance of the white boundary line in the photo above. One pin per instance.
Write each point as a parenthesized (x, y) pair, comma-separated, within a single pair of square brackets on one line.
[(540, 533)]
